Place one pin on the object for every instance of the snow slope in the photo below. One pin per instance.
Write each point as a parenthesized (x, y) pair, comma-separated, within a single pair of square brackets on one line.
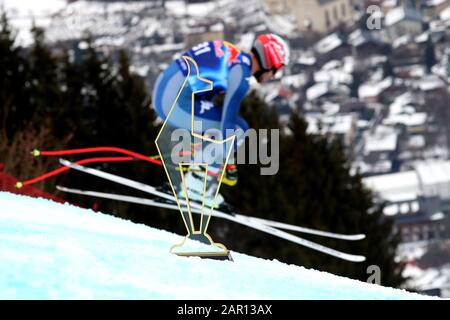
[(54, 251)]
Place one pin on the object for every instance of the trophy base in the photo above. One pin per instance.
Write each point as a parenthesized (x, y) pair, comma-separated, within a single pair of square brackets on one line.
[(202, 246), (224, 256)]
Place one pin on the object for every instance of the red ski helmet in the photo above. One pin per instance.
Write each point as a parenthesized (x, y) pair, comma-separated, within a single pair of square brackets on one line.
[(271, 51)]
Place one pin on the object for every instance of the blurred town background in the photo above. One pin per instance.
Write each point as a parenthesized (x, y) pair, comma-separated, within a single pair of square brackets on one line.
[(371, 74)]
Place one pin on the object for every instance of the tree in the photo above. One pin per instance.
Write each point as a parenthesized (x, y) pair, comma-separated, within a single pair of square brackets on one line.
[(13, 95)]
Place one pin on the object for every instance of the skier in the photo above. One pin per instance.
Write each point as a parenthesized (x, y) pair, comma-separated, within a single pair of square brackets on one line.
[(230, 71)]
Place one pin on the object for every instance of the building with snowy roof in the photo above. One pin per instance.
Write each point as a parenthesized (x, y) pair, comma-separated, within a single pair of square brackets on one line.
[(402, 21), (380, 149), (371, 91), (433, 8), (198, 33), (428, 179), (320, 15), (418, 199), (445, 15), (341, 126)]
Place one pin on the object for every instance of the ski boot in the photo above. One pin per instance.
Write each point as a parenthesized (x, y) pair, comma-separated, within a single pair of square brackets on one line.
[(230, 177), (196, 190)]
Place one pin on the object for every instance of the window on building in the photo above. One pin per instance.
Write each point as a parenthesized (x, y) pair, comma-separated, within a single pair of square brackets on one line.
[(335, 13), (327, 18), (404, 208), (343, 10)]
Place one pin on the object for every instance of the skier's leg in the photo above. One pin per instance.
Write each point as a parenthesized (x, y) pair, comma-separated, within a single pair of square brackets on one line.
[(166, 99)]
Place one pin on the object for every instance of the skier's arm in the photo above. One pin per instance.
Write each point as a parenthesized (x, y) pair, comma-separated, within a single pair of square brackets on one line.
[(238, 85)]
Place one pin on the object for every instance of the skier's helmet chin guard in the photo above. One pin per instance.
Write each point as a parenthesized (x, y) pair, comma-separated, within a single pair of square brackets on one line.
[(271, 51)]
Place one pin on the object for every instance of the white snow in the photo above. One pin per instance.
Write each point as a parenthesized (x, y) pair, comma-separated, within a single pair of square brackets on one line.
[(435, 178), (398, 14), (373, 89), (23, 13), (423, 37), (335, 77), (317, 90), (400, 41), (393, 16), (445, 14), (400, 103), (409, 120), (431, 82), (328, 43), (437, 216), (307, 59), (383, 139), (435, 2), (416, 141), (55, 251), (401, 186), (180, 8)]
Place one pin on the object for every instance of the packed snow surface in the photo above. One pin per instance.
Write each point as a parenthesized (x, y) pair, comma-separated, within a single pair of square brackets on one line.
[(54, 251)]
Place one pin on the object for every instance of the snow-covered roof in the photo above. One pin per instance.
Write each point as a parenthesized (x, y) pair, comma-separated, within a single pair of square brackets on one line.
[(362, 124), (143, 70), (295, 80), (330, 108), (415, 70), (373, 89), (335, 76), (398, 14), (433, 3), (307, 59), (390, 3), (423, 37), (337, 123), (332, 64), (328, 43), (445, 14), (359, 37), (349, 64), (383, 139), (409, 120), (317, 90), (430, 82), (416, 141), (342, 124), (395, 187), (401, 101), (434, 172), (245, 41), (180, 8), (167, 47), (377, 59), (283, 25), (400, 41)]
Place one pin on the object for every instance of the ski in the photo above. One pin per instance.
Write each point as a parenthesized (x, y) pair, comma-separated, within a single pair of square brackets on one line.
[(238, 219), (172, 205)]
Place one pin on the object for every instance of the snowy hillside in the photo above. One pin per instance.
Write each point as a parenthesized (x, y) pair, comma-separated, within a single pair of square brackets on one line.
[(54, 251), (25, 13)]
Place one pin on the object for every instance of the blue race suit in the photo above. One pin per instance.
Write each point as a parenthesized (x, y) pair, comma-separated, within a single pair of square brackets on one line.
[(227, 67)]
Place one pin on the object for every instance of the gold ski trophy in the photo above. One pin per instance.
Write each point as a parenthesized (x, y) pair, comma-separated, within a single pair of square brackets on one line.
[(176, 167)]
